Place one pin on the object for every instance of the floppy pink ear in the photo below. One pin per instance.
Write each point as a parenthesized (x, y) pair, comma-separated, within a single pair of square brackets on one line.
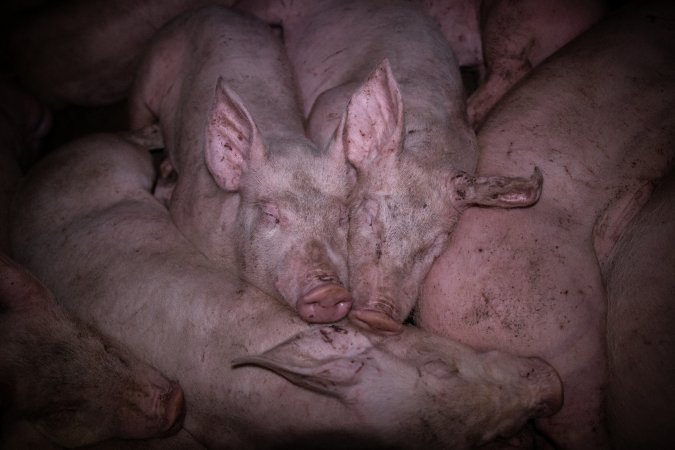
[(327, 359), (503, 192), (372, 125), (233, 143)]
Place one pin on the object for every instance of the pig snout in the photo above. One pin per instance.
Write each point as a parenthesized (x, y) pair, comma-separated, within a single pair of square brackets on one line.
[(162, 415), (173, 404), (312, 283), (546, 385), (377, 316), (325, 303)]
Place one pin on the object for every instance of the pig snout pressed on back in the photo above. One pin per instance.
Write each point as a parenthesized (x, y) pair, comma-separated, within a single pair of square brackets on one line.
[(408, 140), (72, 384), (133, 274), (219, 84)]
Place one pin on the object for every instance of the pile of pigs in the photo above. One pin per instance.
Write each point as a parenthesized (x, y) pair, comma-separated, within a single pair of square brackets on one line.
[(312, 231)]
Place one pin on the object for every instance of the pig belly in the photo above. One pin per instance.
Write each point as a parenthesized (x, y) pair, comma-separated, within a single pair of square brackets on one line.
[(529, 280), (640, 336)]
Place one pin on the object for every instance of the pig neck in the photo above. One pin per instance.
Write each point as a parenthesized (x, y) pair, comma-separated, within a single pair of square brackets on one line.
[(437, 143), (206, 214)]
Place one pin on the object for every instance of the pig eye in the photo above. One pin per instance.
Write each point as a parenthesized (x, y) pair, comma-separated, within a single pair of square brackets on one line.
[(271, 212)]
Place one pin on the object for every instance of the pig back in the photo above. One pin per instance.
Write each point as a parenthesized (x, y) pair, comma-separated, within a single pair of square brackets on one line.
[(178, 74)]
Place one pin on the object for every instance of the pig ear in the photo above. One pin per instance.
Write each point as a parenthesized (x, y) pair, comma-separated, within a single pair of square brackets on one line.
[(327, 360), (372, 125), (233, 143), (504, 192)]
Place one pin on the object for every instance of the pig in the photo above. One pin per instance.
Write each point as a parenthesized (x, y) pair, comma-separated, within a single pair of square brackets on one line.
[(219, 85), (518, 35), (86, 52), (24, 122), (135, 276), (597, 119), (65, 380), (459, 22), (409, 142), (639, 280)]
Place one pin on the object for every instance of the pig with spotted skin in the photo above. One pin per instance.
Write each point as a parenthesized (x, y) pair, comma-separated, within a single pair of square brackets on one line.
[(408, 140), (87, 223), (218, 83), (597, 118)]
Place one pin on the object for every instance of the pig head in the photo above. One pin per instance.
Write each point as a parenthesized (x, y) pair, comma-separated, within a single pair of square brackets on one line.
[(350, 364), (252, 193), (74, 385), (405, 203), (403, 128)]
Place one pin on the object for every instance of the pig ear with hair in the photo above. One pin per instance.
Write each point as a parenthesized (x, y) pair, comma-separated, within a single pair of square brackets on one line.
[(233, 142), (372, 125), (327, 359), (503, 192)]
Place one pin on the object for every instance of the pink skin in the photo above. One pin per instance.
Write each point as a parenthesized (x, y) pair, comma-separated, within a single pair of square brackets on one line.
[(529, 281), (245, 171), (74, 386), (517, 35), (409, 142), (134, 275)]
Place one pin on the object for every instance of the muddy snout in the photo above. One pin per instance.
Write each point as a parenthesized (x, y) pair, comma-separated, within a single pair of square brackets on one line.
[(173, 404), (325, 303), (547, 386)]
